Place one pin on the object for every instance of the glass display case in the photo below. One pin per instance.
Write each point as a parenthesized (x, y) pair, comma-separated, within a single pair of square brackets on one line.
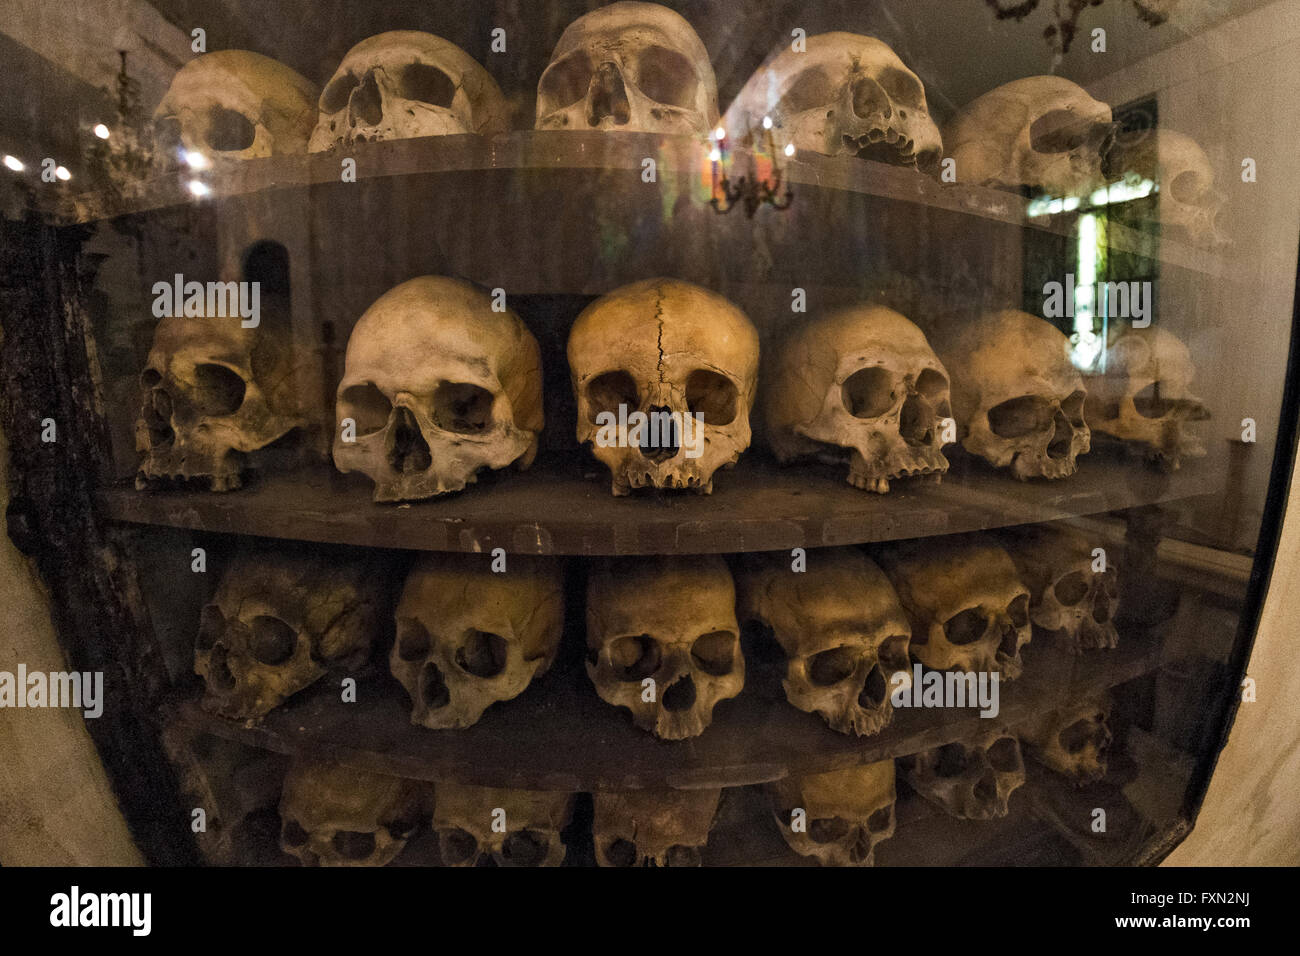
[(653, 434)]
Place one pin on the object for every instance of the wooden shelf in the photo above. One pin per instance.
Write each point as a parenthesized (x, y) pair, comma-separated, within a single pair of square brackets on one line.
[(559, 735), (557, 509)]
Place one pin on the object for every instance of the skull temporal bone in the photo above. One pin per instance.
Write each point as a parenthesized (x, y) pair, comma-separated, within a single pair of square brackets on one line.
[(969, 610), (846, 812), (671, 620), (972, 779), (637, 67), (843, 632), (662, 346), (1018, 398), (235, 104), (486, 825), (653, 827), (403, 84), (467, 638), (439, 386), (863, 381), (847, 94)]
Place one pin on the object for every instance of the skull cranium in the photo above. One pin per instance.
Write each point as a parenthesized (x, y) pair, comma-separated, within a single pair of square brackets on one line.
[(845, 813), (862, 382), (637, 67), (682, 356), (1066, 595), (663, 640), (1074, 741), (467, 638), (972, 779), (1178, 164), (653, 827), (845, 94), (438, 385), (404, 84), (490, 825)]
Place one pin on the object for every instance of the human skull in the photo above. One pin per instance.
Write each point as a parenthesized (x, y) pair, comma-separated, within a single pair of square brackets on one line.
[(843, 632), (972, 779), (233, 104), (1040, 132), (968, 608), (1019, 400), (653, 827), (1066, 595), (486, 825), (277, 624), (845, 813), (665, 629), (1074, 740), (1186, 179), (403, 84), (439, 385), (467, 637), (635, 67), (683, 357), (846, 95), (1143, 394), (862, 383), (331, 815), (212, 392)]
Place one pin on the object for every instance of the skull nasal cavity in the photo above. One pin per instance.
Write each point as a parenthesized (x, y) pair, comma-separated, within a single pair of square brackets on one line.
[(366, 104), (680, 696), (410, 452), (482, 654), (662, 438), (873, 689), (1062, 437), (229, 131), (353, 844), (433, 689), (916, 422), (607, 97), (869, 100)]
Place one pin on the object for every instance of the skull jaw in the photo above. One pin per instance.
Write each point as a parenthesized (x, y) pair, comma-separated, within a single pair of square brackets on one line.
[(1027, 460), (631, 471), (432, 121), (659, 720), (219, 470), (857, 848), (876, 474), (451, 469), (319, 851), (255, 694), (469, 700), (844, 713)]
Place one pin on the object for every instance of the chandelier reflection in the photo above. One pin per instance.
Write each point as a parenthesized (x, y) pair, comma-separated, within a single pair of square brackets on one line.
[(759, 187)]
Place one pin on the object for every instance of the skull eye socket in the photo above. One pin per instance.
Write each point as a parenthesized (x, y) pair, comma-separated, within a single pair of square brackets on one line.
[(566, 81), (428, 84), (666, 77), (606, 392), (951, 761), (1018, 417), (714, 653), (712, 395), (463, 408), (966, 627), (634, 658), (1058, 131), (354, 844), (1004, 755), (1018, 611), (903, 88), (893, 652), (621, 852), (525, 848), (869, 392), (413, 641), (150, 379), (293, 834), (1149, 404), (483, 654), (367, 406), (832, 666), (211, 626), (811, 90), (880, 820), (273, 640), (931, 385), (229, 131), (828, 829), (1071, 589), (1186, 187), (217, 390), (336, 93), (1078, 735), (456, 846)]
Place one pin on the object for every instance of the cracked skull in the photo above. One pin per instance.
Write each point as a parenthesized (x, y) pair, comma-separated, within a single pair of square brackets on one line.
[(843, 632), (1066, 594), (637, 67), (846, 95), (438, 386), (277, 624), (845, 813), (663, 641), (1074, 741), (467, 638), (1186, 179), (968, 609), (862, 383), (485, 826), (653, 827), (1144, 396), (1019, 400), (971, 779), (331, 815), (404, 84), (1040, 132), (211, 393), (233, 104), (665, 374)]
